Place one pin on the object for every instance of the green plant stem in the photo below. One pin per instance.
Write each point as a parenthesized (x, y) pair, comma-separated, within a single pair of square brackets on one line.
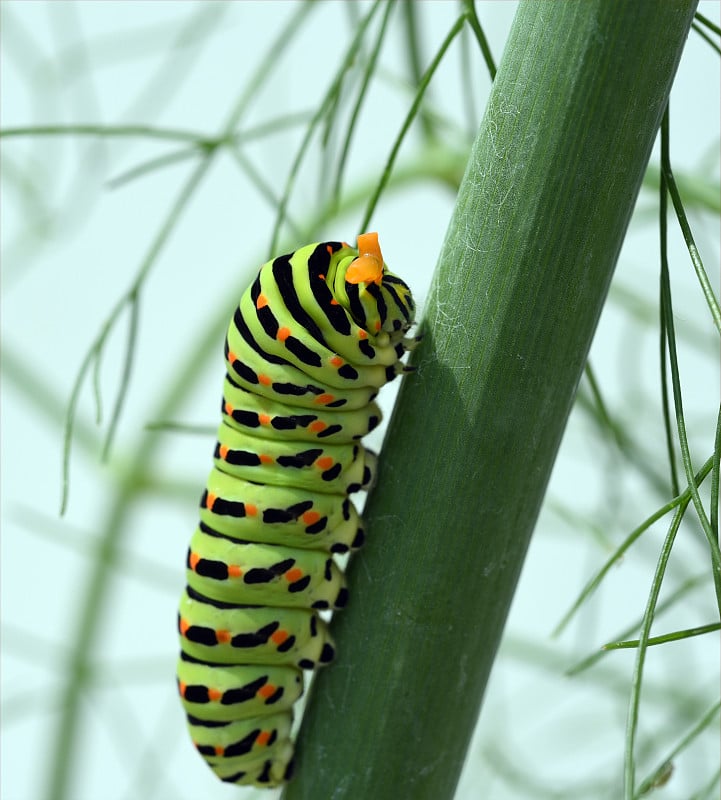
[(523, 274)]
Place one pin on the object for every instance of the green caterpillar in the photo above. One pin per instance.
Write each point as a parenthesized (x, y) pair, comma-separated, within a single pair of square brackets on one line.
[(313, 339)]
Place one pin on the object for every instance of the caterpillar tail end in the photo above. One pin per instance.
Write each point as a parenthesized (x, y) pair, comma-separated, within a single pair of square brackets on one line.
[(269, 774)]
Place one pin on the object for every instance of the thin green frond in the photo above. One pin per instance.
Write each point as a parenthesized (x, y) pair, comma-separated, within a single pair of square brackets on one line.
[(656, 778), (103, 132), (477, 29), (323, 112), (674, 636), (415, 106), (672, 600), (703, 279), (680, 502), (368, 73)]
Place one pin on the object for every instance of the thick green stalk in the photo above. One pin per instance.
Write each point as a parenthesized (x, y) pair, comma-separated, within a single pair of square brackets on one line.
[(523, 274)]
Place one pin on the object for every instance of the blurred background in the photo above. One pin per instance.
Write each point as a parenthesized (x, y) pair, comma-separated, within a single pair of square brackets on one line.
[(137, 233)]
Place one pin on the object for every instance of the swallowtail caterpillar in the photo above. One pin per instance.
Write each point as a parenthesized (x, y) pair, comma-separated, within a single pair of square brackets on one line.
[(313, 339)]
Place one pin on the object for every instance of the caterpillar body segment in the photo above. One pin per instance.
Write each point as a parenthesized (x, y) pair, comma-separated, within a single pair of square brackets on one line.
[(223, 693), (258, 574), (313, 339), (278, 515), (223, 633), (334, 468), (268, 419)]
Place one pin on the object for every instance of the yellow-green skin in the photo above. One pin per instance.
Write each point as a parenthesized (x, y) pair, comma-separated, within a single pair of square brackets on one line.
[(313, 339)]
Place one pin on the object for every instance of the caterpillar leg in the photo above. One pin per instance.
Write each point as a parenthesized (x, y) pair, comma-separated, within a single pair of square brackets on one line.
[(411, 342)]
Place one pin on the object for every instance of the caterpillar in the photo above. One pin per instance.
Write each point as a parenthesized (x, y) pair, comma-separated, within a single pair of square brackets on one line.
[(313, 339)]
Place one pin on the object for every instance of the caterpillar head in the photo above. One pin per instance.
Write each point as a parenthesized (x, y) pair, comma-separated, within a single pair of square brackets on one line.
[(378, 300)]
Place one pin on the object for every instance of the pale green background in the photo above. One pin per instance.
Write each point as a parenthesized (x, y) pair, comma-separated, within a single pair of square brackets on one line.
[(94, 62)]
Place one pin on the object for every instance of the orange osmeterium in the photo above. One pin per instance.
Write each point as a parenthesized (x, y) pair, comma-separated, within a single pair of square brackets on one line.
[(368, 267)]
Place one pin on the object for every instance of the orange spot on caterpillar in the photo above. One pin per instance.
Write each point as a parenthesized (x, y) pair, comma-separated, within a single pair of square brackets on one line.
[(210, 501), (265, 380), (215, 694), (310, 517), (261, 302), (317, 426), (362, 334), (322, 276), (293, 575), (223, 451), (194, 558), (266, 691), (324, 399), (334, 302), (283, 334), (265, 459), (182, 687), (228, 409), (264, 419), (279, 637), (336, 361), (325, 462), (263, 738), (219, 751), (377, 324), (222, 636), (183, 626), (234, 571), (329, 249), (231, 356), (251, 510)]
